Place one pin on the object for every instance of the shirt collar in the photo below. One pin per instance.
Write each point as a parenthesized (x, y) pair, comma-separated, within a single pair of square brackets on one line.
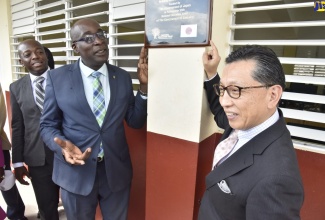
[(252, 132), (88, 71), (33, 77)]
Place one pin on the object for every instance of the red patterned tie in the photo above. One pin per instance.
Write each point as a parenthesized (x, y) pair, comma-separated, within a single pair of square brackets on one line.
[(224, 148)]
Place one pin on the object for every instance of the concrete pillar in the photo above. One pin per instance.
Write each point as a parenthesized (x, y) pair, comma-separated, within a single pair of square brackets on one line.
[(181, 132), (178, 122)]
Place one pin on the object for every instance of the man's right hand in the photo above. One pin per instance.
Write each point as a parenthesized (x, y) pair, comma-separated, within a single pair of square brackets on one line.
[(20, 173)]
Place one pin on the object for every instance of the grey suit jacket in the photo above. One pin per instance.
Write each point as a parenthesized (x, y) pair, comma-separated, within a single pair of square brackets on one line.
[(263, 176), (67, 115), (27, 145)]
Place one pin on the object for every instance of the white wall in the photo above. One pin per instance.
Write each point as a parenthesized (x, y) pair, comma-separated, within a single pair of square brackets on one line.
[(5, 53)]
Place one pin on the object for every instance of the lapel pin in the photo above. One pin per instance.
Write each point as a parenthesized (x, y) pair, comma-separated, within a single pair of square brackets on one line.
[(113, 77)]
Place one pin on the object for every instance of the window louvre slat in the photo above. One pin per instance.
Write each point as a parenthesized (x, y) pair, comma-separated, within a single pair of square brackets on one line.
[(303, 115), (279, 25), (303, 97), (306, 79), (306, 61), (274, 7), (318, 42), (307, 133)]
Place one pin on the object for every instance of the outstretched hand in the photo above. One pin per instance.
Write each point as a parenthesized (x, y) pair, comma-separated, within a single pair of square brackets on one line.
[(211, 60), (72, 153), (143, 70)]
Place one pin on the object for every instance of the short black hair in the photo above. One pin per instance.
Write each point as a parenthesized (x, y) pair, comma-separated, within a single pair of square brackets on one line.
[(268, 69)]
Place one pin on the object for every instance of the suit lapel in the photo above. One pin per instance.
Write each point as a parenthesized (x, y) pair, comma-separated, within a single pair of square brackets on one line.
[(28, 92), (244, 157), (113, 81), (77, 87)]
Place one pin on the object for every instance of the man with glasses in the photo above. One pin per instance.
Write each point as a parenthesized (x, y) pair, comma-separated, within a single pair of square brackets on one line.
[(85, 106), (255, 172)]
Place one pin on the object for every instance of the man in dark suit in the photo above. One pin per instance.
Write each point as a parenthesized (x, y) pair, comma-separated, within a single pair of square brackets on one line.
[(92, 163), (258, 177), (27, 145)]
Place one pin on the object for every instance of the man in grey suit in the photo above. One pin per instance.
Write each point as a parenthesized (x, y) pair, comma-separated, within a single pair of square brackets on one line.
[(27, 145), (92, 163), (258, 178)]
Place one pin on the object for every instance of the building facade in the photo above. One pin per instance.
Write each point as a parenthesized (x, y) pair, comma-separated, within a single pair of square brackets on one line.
[(294, 29)]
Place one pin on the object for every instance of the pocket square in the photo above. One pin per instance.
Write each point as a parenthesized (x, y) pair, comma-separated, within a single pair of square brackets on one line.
[(224, 187)]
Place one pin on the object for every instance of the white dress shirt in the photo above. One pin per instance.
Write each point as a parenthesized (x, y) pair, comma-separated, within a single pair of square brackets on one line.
[(87, 80), (247, 135)]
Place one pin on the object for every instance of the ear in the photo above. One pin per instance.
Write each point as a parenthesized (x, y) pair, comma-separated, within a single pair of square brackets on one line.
[(274, 96), (75, 48), (21, 63)]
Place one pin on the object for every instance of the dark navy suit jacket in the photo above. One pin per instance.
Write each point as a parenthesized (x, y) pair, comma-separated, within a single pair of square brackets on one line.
[(68, 115)]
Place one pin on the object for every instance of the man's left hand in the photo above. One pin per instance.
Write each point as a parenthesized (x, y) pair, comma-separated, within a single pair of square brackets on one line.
[(72, 153)]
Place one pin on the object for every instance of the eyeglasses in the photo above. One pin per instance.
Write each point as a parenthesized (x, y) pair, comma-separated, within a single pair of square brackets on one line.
[(234, 91), (90, 38)]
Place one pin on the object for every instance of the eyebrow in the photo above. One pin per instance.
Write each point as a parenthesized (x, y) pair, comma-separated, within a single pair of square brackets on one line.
[(88, 32)]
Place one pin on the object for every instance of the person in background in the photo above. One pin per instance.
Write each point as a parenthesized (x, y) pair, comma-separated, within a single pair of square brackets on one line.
[(50, 59), (83, 124), (15, 205), (255, 173), (27, 97)]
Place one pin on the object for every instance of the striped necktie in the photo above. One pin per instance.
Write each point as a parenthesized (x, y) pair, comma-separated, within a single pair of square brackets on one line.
[(224, 148), (98, 105), (39, 92)]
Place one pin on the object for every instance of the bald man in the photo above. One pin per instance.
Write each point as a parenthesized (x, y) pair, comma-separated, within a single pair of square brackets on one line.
[(85, 108)]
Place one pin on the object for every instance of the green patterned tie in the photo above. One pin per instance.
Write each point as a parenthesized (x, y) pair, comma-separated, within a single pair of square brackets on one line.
[(98, 105)]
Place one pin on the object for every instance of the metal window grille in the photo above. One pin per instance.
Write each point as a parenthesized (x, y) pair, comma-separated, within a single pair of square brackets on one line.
[(296, 33)]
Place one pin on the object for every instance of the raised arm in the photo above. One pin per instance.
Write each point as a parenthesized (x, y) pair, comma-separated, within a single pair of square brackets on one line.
[(211, 60), (143, 70)]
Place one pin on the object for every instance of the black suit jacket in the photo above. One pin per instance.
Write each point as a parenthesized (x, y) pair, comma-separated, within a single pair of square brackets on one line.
[(263, 175), (27, 145)]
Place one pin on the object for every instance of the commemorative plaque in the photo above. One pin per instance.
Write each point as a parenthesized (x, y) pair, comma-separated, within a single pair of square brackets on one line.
[(171, 23)]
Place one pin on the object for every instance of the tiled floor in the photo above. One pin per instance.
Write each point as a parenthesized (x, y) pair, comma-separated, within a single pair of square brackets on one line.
[(28, 197)]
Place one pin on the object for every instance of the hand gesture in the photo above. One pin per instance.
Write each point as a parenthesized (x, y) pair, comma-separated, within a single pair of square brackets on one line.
[(20, 173), (143, 70), (72, 153), (211, 60)]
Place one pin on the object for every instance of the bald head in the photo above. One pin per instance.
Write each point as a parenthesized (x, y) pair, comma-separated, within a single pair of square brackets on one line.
[(78, 28), (93, 52)]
